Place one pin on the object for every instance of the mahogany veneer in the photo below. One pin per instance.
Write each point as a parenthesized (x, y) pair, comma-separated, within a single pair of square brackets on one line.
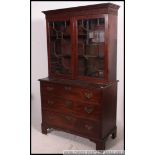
[(79, 95)]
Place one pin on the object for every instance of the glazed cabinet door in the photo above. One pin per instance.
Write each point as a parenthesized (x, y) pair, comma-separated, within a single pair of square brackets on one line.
[(90, 34), (60, 48)]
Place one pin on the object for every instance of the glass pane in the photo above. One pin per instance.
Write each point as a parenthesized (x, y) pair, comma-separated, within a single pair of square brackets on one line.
[(91, 47), (60, 47)]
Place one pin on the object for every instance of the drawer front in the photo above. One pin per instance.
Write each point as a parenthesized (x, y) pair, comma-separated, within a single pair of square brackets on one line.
[(82, 126), (59, 120), (89, 128), (81, 109), (72, 92), (58, 104), (88, 111)]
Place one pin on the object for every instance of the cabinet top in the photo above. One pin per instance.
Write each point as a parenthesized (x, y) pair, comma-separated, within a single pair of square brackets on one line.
[(78, 82), (110, 7)]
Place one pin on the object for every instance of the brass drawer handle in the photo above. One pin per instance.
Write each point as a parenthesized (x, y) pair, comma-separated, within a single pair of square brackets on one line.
[(67, 88), (88, 95), (68, 104), (50, 88), (88, 127), (88, 109), (50, 102)]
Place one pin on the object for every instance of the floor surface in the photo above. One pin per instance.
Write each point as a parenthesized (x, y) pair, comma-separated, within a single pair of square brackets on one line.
[(57, 141)]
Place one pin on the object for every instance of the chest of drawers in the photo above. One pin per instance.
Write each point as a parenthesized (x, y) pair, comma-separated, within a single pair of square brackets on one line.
[(79, 95), (86, 110)]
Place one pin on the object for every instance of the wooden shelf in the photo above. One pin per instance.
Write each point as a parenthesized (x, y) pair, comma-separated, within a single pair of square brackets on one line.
[(90, 56), (55, 36), (67, 56), (82, 34)]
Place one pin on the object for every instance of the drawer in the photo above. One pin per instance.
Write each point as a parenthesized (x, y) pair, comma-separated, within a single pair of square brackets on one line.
[(88, 111), (82, 126), (89, 128), (59, 120), (80, 109), (58, 104), (72, 92)]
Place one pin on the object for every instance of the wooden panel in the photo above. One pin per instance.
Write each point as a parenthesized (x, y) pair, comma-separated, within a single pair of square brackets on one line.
[(60, 120), (109, 109), (72, 92), (90, 128), (75, 83), (58, 105), (112, 47), (83, 110), (88, 111), (104, 8), (83, 126)]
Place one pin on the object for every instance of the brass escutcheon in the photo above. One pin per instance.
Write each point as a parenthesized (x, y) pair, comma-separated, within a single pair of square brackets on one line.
[(88, 127), (88, 109), (88, 95)]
